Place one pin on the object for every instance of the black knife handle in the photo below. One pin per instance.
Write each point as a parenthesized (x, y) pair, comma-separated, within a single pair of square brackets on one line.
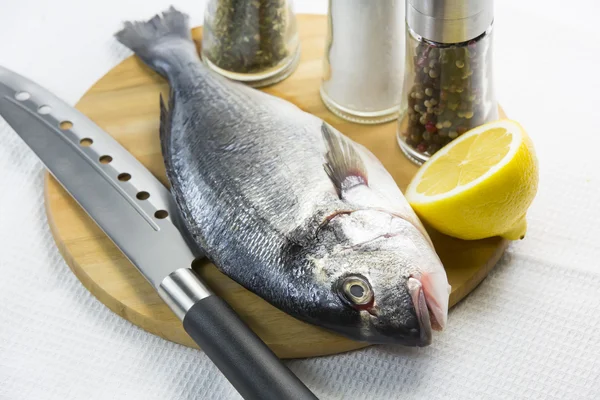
[(245, 360)]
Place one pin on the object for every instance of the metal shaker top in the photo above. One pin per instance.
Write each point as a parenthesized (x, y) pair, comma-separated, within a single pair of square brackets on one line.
[(449, 21)]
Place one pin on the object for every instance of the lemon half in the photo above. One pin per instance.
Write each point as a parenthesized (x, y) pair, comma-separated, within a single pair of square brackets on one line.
[(479, 185)]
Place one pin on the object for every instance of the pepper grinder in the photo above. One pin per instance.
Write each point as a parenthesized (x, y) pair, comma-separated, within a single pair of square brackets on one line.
[(364, 60), (448, 87)]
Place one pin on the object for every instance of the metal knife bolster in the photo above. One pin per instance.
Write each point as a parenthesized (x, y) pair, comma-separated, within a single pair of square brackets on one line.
[(128, 203), (181, 290)]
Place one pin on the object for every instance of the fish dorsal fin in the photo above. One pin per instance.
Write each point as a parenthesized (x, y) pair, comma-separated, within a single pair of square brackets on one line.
[(165, 128), (343, 164)]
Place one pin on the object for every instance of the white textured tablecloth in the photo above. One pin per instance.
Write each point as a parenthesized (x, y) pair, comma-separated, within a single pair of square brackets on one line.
[(530, 331)]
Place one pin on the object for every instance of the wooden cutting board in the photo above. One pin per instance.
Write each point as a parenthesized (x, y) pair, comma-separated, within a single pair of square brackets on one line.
[(125, 103)]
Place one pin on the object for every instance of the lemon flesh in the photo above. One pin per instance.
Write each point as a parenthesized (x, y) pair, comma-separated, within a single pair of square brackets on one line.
[(479, 185)]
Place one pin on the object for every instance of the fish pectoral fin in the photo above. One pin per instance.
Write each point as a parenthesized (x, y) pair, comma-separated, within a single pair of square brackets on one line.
[(343, 163)]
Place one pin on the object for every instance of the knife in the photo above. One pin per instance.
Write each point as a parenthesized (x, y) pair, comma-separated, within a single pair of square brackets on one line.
[(107, 182)]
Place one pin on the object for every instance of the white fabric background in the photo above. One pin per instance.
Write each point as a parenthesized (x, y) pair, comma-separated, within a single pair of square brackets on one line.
[(530, 331)]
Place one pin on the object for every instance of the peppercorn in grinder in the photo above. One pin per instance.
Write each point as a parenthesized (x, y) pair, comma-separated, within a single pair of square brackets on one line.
[(448, 86)]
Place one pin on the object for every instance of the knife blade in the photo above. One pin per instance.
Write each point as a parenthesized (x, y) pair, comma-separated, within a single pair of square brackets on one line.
[(138, 214)]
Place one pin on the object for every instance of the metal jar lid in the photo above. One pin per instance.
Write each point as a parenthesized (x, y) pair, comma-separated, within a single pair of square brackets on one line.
[(449, 21)]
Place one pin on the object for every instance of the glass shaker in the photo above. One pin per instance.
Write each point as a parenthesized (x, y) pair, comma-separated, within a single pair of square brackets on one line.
[(448, 87), (364, 60), (252, 41)]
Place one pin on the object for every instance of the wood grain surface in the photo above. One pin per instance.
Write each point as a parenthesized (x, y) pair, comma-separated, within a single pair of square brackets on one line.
[(125, 103)]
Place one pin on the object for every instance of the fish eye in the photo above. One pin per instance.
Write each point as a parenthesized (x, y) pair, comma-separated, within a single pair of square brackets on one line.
[(357, 290)]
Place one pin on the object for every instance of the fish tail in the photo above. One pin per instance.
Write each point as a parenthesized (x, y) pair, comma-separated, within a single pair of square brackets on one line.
[(163, 42)]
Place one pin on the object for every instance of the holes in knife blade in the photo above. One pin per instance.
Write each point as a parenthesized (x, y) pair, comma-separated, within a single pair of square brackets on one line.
[(124, 177), (64, 125), (44, 110), (22, 96), (142, 195), (197, 263), (105, 159), (86, 142), (161, 214)]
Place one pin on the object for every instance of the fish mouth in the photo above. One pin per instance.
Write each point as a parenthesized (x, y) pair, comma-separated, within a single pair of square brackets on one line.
[(425, 309)]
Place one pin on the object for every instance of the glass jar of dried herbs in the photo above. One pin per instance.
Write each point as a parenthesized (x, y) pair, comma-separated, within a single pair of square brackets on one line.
[(448, 87), (253, 41)]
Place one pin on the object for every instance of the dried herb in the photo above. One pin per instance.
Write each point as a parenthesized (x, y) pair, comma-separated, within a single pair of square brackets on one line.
[(247, 36)]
